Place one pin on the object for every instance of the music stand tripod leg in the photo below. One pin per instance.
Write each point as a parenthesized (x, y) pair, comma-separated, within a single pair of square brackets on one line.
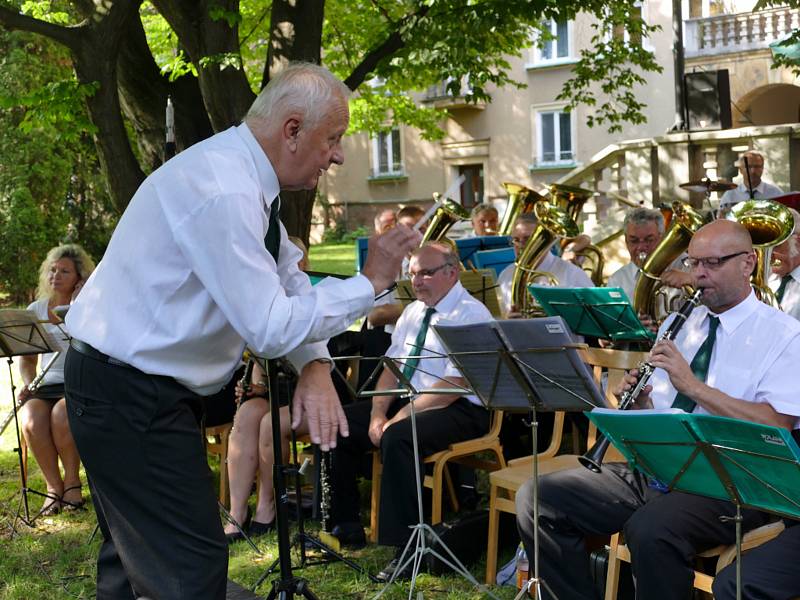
[(421, 529)]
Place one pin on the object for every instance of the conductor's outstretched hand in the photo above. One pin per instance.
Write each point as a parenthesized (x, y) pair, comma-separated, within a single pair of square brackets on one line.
[(386, 253)]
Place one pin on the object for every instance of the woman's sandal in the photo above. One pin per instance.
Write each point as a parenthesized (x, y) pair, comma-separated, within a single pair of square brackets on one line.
[(51, 509), (68, 506)]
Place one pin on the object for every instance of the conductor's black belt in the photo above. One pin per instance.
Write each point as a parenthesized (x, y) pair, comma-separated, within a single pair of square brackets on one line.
[(94, 353)]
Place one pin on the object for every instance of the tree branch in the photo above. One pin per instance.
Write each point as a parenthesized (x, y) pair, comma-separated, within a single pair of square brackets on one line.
[(389, 46), (68, 36)]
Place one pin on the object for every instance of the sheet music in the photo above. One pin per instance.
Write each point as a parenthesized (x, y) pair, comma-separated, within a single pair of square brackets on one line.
[(22, 334), (552, 372), (488, 375)]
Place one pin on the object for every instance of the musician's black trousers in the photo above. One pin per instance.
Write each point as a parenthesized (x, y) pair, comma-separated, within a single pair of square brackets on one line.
[(436, 430), (151, 486), (663, 531), (769, 572)]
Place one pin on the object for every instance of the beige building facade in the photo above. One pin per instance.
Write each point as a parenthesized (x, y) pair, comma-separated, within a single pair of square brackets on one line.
[(525, 135)]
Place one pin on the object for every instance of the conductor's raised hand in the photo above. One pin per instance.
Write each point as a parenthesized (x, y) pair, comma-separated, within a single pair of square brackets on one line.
[(629, 381), (386, 253), (316, 400)]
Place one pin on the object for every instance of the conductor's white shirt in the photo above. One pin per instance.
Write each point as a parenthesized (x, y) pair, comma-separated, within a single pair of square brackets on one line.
[(456, 307), (755, 356), (186, 280), (568, 275)]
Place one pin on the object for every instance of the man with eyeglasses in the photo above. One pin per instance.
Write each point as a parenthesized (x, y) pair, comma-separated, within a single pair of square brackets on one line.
[(567, 274), (785, 278), (734, 357), (442, 419), (751, 168)]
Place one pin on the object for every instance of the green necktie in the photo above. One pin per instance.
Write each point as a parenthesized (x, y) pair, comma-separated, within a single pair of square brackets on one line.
[(419, 342), (272, 241), (699, 364), (782, 288)]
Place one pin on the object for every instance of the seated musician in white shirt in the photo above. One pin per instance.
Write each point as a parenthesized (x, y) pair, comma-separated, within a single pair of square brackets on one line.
[(751, 167), (785, 278), (567, 274), (441, 419), (743, 354)]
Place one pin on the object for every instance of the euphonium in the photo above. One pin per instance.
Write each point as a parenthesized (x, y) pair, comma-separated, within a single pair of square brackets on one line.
[(685, 222), (447, 215), (554, 222), (769, 223), (569, 198), (521, 200)]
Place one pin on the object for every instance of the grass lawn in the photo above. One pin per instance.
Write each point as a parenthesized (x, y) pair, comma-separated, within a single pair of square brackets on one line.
[(333, 258)]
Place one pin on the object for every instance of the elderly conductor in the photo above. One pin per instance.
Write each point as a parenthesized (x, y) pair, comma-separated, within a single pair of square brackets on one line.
[(199, 266)]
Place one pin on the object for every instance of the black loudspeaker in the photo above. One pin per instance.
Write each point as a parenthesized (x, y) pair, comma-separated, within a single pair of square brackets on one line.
[(708, 100)]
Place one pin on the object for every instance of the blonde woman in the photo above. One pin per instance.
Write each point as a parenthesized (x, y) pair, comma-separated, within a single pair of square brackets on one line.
[(42, 415)]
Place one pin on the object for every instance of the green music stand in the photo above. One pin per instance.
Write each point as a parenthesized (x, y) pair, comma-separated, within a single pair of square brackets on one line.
[(596, 312), (752, 465)]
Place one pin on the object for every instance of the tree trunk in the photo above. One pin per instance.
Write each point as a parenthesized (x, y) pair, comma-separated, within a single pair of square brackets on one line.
[(210, 42)]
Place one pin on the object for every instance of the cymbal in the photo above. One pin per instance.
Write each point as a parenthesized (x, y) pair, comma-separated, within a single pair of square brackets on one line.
[(705, 186)]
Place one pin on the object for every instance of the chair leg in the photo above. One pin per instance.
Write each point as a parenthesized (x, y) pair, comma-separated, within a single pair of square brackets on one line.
[(375, 501), (612, 578), (494, 532), (438, 476), (223, 471)]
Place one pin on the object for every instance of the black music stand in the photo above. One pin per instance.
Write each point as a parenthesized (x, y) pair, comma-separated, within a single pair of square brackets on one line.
[(21, 334), (524, 365), (751, 465), (421, 532), (287, 586)]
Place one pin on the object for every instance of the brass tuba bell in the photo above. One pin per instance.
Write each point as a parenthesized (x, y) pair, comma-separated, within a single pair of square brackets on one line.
[(448, 214), (521, 200), (770, 224), (684, 224)]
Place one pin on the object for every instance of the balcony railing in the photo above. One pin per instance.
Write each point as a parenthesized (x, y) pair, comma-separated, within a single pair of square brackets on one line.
[(738, 32), (441, 97)]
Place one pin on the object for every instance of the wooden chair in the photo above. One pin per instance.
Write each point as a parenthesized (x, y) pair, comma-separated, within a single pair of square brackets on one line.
[(464, 453), (619, 552), (217, 443), (504, 483)]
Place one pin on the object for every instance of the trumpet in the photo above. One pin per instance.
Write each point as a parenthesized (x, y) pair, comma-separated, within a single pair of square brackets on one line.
[(593, 459)]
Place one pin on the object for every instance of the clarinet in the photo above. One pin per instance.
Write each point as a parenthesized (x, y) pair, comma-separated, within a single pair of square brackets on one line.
[(593, 459), (325, 485)]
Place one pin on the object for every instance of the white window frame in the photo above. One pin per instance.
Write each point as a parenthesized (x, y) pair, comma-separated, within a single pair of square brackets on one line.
[(376, 157), (536, 58), (557, 109)]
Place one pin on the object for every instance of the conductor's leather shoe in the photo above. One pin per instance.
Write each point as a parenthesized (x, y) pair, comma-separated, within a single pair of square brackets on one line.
[(392, 569), (350, 535)]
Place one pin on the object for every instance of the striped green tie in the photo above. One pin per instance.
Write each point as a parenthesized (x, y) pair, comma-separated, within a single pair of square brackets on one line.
[(699, 364), (419, 342), (782, 288)]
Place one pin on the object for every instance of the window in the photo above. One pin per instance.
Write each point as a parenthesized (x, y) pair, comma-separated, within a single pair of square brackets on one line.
[(555, 143), (557, 48), (386, 157)]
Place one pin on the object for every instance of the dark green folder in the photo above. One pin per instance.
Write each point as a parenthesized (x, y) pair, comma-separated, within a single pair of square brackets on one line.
[(596, 312), (318, 276), (757, 466)]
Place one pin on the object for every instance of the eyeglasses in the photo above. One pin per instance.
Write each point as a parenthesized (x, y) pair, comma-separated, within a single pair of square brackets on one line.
[(711, 262), (427, 273)]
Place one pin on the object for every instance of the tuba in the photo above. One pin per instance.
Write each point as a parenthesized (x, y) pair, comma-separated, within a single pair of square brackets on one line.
[(447, 215), (521, 200), (685, 222), (554, 222), (769, 223), (572, 199)]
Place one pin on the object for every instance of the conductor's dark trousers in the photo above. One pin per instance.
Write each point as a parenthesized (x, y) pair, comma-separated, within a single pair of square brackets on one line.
[(143, 452)]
